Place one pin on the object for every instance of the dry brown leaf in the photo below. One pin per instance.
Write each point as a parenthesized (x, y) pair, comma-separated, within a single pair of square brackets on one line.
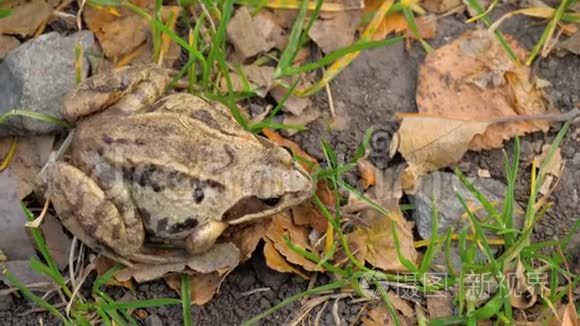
[(430, 143), (294, 148), (282, 226), (246, 36), (275, 261), (308, 214), (294, 104), (522, 296), (378, 315), (368, 172), (427, 26), (266, 23), (7, 44), (566, 316), (472, 78), (103, 265), (247, 237), (333, 31), (378, 235), (570, 318), (119, 34), (26, 17), (203, 286), (30, 156), (125, 36), (440, 6)]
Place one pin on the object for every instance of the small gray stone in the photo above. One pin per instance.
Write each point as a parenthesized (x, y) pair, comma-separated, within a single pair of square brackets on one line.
[(36, 76), (153, 320), (441, 187)]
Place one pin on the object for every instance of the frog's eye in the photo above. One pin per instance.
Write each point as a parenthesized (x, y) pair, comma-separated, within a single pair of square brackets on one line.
[(273, 201)]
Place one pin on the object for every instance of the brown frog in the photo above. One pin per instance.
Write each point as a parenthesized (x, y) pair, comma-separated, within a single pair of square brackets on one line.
[(176, 169)]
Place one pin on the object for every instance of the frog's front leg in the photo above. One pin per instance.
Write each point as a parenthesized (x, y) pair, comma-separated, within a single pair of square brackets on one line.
[(79, 200), (204, 236)]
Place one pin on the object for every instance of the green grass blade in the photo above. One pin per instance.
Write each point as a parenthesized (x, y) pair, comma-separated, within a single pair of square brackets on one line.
[(36, 116), (37, 300), (289, 53), (140, 304), (186, 299), (333, 56)]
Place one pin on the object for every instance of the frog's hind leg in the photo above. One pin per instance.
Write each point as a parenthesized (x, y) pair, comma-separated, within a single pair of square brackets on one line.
[(127, 90), (85, 210)]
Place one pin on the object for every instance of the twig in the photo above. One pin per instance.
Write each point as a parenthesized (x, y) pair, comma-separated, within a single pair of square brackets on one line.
[(76, 290), (319, 314), (250, 292), (330, 100), (335, 315)]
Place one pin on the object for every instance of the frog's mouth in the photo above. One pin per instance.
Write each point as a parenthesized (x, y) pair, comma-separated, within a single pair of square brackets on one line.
[(250, 207)]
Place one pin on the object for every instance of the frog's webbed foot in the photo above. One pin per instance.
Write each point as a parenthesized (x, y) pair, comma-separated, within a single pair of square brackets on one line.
[(85, 210), (127, 90), (204, 236)]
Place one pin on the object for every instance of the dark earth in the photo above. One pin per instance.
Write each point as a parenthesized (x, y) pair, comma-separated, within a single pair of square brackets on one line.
[(377, 84)]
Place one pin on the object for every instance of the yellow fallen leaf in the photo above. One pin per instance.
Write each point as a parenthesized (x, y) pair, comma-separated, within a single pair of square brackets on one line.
[(378, 235), (430, 143), (275, 261)]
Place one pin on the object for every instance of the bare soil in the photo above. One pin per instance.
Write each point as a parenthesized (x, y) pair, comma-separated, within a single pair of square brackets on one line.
[(367, 94)]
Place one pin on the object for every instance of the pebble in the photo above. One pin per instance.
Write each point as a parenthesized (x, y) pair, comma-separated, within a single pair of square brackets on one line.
[(36, 76), (442, 186), (153, 320)]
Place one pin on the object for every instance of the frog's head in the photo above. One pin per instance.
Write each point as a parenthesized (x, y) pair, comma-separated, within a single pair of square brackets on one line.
[(274, 182)]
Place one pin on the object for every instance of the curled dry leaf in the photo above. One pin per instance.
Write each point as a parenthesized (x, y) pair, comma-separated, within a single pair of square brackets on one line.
[(276, 261), (247, 237), (283, 226), (464, 89), (30, 156), (522, 296)]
